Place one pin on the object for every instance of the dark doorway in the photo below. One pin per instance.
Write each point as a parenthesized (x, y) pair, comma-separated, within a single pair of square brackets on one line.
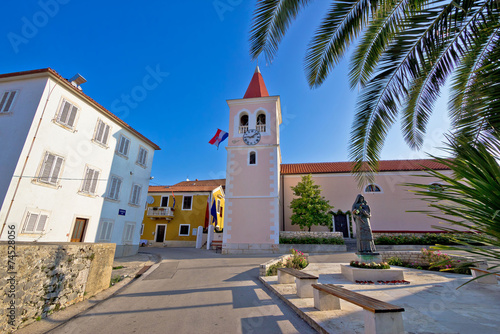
[(341, 225), (160, 233), (79, 230)]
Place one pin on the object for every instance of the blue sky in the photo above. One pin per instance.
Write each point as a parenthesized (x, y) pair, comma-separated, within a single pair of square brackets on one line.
[(200, 47)]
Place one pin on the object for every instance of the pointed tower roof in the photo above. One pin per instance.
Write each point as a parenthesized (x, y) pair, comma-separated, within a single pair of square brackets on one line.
[(257, 87)]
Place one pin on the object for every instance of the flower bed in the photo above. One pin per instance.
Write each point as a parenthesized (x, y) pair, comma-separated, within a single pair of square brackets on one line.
[(436, 261), (373, 265), (296, 261)]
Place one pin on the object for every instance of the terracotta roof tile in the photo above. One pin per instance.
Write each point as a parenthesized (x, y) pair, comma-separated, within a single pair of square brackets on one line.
[(190, 186), (345, 167), (82, 94)]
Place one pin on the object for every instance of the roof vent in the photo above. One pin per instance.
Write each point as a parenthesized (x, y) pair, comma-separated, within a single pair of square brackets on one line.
[(77, 80)]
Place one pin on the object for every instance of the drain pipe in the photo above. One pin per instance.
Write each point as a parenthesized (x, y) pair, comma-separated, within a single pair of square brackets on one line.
[(26, 160)]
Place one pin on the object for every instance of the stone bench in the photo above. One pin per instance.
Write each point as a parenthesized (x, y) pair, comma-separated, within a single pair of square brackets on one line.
[(302, 280), (490, 279), (380, 317)]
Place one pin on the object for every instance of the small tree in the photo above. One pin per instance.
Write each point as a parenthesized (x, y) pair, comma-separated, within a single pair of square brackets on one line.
[(310, 208)]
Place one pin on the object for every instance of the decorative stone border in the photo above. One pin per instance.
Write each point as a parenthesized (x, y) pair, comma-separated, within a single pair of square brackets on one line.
[(313, 248)]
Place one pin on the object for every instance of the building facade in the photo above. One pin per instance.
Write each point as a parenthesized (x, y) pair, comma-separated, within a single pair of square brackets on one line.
[(71, 171), (174, 213)]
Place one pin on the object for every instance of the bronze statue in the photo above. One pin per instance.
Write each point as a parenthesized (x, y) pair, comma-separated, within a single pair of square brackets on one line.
[(361, 213)]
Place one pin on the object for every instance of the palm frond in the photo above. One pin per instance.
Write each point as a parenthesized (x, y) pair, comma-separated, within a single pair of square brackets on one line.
[(271, 21)]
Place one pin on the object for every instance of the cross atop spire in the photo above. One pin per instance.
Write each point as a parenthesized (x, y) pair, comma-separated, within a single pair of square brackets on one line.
[(257, 87)]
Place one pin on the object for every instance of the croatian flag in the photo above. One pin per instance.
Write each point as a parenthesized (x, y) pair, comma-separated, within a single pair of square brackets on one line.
[(219, 137)]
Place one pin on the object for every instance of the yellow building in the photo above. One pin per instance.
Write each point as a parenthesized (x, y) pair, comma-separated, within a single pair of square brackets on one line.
[(176, 226)]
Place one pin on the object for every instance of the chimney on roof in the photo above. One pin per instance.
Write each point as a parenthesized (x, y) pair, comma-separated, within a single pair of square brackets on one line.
[(77, 80)]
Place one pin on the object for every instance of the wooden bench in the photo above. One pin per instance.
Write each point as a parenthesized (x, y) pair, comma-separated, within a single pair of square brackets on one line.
[(217, 244), (380, 317), (490, 279), (302, 280)]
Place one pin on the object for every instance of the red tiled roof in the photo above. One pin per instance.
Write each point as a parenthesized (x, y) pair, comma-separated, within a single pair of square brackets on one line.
[(257, 87), (190, 186), (68, 85), (346, 167)]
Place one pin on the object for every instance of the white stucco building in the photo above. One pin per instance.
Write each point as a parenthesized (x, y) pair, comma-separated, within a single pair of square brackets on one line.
[(70, 170)]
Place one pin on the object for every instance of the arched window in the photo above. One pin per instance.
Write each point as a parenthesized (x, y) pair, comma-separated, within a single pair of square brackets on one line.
[(252, 158), (372, 188), (261, 122), (243, 123)]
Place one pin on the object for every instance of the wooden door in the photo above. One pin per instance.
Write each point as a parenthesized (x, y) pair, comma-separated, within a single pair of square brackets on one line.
[(160, 233), (79, 230), (341, 225)]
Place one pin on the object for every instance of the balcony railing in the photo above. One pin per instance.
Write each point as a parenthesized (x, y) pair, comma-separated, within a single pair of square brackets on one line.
[(261, 127), (243, 128), (160, 212)]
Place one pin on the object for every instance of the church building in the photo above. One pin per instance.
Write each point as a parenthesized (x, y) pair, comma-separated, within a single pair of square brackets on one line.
[(258, 185)]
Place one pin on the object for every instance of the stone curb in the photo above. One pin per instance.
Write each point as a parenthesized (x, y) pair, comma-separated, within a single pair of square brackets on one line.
[(60, 318), (297, 310)]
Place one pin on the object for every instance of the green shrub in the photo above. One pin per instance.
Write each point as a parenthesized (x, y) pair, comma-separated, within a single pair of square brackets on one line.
[(312, 240), (425, 239), (395, 261), (273, 269), (373, 265)]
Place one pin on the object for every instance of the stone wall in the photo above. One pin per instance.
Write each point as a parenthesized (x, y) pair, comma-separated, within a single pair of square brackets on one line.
[(50, 276), (305, 234)]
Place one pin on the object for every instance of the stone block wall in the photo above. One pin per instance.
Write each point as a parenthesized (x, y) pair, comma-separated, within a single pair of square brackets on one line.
[(305, 234), (49, 276)]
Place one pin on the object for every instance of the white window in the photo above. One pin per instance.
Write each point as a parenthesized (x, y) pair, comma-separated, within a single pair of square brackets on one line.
[(50, 169), (105, 231), (142, 229), (135, 195), (115, 184), (89, 185), (123, 145), (164, 201), (142, 157), (7, 100), (187, 202), (218, 206), (372, 188), (184, 229), (243, 123), (35, 222), (261, 122), (252, 158), (101, 132), (128, 232), (67, 114)]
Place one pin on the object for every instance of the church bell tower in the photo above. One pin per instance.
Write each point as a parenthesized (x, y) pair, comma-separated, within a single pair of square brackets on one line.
[(253, 172)]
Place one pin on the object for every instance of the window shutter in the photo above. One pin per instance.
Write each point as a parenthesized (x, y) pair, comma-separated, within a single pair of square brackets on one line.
[(63, 114), (104, 228), (126, 144), (88, 180), (99, 133), (2, 102), (72, 116), (57, 169), (31, 219), (41, 223), (47, 167), (112, 188), (9, 101), (105, 135), (108, 231), (93, 183), (118, 185)]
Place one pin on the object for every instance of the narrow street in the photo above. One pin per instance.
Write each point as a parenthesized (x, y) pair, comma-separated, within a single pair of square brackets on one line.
[(192, 291)]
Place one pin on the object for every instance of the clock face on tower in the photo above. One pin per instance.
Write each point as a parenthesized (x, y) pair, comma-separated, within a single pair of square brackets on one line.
[(251, 137)]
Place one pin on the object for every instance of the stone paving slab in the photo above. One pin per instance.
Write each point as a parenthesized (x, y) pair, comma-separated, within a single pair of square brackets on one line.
[(431, 301)]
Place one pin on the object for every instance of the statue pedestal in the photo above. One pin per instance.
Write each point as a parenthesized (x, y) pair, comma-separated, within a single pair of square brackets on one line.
[(359, 274), (369, 257)]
